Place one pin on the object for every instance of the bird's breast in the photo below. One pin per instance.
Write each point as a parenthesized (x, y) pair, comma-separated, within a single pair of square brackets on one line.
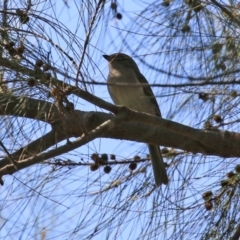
[(129, 96)]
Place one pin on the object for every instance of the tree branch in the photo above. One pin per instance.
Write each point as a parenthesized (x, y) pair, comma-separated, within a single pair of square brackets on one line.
[(156, 131), (97, 132)]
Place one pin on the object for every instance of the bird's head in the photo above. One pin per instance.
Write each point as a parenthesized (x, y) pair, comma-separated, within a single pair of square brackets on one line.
[(117, 60)]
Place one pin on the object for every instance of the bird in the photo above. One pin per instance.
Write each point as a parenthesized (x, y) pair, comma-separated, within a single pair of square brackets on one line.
[(123, 69)]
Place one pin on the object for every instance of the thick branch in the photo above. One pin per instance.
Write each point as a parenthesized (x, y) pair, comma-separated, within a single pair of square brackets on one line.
[(151, 130), (104, 127), (29, 108)]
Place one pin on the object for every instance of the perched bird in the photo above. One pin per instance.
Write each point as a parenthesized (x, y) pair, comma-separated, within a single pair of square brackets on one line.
[(123, 69)]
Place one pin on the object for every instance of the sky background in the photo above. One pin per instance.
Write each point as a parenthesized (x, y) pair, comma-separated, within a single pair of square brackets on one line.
[(49, 200)]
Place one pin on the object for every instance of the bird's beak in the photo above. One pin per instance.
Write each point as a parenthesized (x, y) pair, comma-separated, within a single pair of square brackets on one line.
[(107, 57)]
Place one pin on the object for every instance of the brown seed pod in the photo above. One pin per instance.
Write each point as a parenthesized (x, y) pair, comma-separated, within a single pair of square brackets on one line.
[(224, 183), (94, 156), (107, 169), (217, 118), (233, 94), (12, 51), (216, 48), (31, 82), (24, 19), (207, 195), (132, 166), (203, 96), (231, 174), (113, 6), (39, 63), (136, 158), (9, 45), (166, 3), (20, 50), (94, 167), (208, 205), (197, 7), (186, 28), (119, 16), (19, 12), (221, 66), (104, 157)]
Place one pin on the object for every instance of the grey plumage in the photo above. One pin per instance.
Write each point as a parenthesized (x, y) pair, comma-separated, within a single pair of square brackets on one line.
[(123, 69)]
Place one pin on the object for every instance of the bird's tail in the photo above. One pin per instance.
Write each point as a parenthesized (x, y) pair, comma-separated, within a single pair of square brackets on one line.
[(158, 165)]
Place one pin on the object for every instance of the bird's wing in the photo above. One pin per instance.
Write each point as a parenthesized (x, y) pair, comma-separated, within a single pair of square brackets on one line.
[(148, 91)]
